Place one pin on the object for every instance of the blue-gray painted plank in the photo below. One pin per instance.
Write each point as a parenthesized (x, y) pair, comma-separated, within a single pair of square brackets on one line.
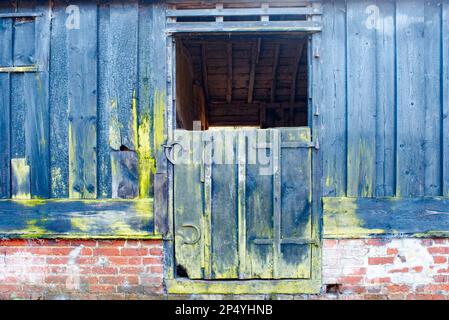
[(5, 60), (411, 100), (24, 44), (386, 99), (445, 102), (296, 211), (104, 150), (361, 110), (144, 102), (432, 92), (122, 72), (37, 121), (59, 102), (350, 217), (259, 205), (82, 88), (224, 223), (76, 219), (332, 89)]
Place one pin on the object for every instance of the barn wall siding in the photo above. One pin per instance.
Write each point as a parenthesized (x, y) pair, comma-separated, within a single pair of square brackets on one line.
[(384, 114), (86, 123), (384, 119)]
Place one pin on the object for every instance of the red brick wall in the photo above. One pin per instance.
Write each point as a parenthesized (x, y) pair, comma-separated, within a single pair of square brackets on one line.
[(80, 269), (387, 269), (127, 269)]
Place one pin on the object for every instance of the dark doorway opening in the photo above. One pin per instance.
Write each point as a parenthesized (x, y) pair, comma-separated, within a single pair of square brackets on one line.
[(241, 81)]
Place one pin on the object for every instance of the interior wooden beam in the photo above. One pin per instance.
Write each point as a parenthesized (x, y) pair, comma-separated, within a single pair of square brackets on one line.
[(300, 49), (229, 76), (255, 51), (275, 67), (204, 71)]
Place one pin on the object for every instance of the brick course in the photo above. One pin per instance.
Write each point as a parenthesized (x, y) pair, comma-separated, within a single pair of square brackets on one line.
[(80, 269), (387, 268), (133, 269)]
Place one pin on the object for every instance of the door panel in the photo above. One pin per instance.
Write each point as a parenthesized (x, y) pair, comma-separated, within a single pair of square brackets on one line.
[(188, 208), (296, 223), (224, 222), (242, 209)]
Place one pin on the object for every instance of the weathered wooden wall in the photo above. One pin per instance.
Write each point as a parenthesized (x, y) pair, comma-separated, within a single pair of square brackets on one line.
[(90, 121), (385, 126)]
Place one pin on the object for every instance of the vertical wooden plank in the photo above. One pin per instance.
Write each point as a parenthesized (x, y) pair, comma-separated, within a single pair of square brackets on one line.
[(82, 87), (122, 50), (20, 179), (241, 204), (386, 98), (206, 174), (445, 102), (189, 235), (104, 105), (332, 91), (410, 98), (23, 90), (158, 133), (317, 75), (295, 197), (59, 111), (432, 91), (5, 60), (259, 204), (277, 204), (224, 196), (362, 101), (145, 69), (37, 130)]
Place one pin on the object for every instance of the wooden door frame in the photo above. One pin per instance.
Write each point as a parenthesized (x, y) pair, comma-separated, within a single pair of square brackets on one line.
[(300, 286)]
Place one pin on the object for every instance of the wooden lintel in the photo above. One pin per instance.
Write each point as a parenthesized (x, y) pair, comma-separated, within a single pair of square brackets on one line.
[(229, 75), (239, 26), (275, 66), (300, 49)]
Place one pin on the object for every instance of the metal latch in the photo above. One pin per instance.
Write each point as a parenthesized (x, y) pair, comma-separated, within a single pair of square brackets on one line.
[(168, 150)]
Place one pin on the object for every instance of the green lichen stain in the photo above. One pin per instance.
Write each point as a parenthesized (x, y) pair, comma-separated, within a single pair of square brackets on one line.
[(145, 162), (341, 219), (158, 120), (21, 178), (33, 229)]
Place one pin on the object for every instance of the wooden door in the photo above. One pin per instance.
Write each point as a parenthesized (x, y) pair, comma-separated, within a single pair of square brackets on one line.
[(242, 203)]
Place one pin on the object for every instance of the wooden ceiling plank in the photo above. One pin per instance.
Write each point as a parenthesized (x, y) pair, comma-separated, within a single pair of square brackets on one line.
[(229, 75), (300, 48), (273, 76), (204, 72), (255, 52)]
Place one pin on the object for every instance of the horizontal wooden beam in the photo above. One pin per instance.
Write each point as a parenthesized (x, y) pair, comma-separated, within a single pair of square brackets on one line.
[(244, 12), (237, 26), (77, 219), (374, 217), (21, 15), (284, 286), (19, 69)]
